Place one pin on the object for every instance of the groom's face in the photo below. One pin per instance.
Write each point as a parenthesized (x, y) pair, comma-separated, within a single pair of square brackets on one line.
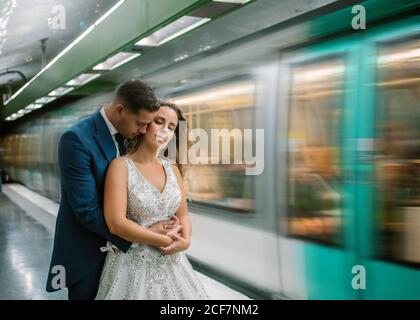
[(133, 124)]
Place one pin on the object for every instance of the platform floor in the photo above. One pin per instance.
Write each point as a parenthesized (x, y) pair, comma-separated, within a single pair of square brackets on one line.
[(25, 251), (26, 240)]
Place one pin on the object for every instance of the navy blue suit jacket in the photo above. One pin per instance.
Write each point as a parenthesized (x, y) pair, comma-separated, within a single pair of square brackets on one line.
[(84, 153)]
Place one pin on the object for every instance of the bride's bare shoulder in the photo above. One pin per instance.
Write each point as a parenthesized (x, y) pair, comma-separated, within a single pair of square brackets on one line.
[(118, 164)]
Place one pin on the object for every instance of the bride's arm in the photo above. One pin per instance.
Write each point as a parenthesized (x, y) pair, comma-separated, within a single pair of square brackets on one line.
[(115, 208), (182, 212), (182, 242)]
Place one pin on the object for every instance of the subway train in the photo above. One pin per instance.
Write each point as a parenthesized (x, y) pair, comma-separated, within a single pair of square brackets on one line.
[(334, 212)]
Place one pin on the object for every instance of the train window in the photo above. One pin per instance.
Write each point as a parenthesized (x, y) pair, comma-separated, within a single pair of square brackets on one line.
[(397, 156), (314, 174), (226, 106)]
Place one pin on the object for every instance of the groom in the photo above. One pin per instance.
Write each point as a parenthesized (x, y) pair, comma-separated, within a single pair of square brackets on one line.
[(84, 153)]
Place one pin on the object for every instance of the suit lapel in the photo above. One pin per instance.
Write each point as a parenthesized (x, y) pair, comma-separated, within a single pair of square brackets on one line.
[(103, 137)]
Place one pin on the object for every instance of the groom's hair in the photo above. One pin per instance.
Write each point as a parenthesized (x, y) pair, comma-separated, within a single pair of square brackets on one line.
[(136, 95)]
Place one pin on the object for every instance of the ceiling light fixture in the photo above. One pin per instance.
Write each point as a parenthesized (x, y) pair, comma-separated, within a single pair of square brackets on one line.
[(172, 31), (61, 91), (82, 79), (116, 61)]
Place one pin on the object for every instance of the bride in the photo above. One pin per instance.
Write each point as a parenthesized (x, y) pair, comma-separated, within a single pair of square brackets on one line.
[(141, 189)]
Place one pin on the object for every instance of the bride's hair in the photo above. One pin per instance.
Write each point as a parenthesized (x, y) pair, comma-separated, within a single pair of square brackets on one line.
[(133, 144)]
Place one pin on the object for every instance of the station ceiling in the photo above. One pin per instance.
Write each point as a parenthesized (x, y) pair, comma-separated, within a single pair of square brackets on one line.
[(23, 23), (141, 28)]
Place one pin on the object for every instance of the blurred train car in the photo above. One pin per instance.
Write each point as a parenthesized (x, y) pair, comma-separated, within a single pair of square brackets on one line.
[(339, 196)]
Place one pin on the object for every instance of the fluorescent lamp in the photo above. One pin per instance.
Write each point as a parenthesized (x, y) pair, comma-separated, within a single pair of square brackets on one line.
[(172, 30), (33, 106), (116, 61), (83, 79), (233, 1), (61, 91), (44, 100), (15, 116)]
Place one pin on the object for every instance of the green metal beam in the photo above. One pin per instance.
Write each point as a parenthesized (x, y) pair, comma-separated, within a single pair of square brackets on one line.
[(132, 20)]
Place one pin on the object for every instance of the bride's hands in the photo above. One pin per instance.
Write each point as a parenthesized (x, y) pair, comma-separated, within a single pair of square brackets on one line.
[(179, 244)]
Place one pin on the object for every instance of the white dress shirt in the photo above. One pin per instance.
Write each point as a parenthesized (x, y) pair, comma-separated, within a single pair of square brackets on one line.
[(111, 128)]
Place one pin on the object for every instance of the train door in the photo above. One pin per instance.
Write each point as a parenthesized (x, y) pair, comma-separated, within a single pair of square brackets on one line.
[(388, 190), (316, 170)]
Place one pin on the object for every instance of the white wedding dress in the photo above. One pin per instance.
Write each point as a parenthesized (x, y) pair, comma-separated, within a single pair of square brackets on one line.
[(143, 272)]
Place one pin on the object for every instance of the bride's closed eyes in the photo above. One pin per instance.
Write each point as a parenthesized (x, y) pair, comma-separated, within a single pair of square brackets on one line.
[(161, 120)]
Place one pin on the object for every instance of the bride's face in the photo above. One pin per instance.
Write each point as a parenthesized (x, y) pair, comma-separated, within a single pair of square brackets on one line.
[(162, 129)]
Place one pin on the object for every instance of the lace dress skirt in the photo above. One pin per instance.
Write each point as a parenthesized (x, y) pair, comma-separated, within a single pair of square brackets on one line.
[(144, 273)]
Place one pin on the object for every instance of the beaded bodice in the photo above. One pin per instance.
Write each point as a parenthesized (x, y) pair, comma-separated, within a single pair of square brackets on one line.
[(146, 205)]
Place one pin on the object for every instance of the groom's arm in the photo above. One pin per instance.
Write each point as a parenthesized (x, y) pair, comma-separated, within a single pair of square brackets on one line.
[(80, 188)]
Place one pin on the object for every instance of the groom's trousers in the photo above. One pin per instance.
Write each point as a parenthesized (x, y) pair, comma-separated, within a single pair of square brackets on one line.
[(87, 287)]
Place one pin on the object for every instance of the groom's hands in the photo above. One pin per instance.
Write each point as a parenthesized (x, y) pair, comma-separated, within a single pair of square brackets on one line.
[(165, 226)]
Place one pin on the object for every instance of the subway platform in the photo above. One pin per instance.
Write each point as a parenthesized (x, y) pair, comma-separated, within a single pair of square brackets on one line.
[(25, 249), (27, 222)]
